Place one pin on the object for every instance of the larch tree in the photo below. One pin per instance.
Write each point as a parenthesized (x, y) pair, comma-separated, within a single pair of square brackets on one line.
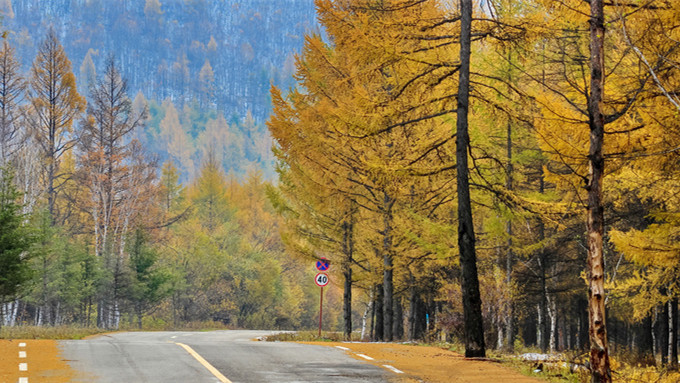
[(55, 107), (206, 85), (472, 302), (12, 89), (352, 117), (175, 141), (105, 171), (649, 284), (571, 70)]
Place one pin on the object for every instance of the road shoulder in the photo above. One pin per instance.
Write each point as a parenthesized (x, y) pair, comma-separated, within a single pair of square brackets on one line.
[(42, 358), (430, 364)]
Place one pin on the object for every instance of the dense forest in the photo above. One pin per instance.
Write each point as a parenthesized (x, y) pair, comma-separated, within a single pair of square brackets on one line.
[(206, 58), (499, 174), (131, 200)]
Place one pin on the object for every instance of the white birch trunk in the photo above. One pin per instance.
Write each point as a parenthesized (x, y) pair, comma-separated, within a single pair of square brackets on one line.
[(670, 329), (552, 313), (15, 313), (364, 319), (539, 327)]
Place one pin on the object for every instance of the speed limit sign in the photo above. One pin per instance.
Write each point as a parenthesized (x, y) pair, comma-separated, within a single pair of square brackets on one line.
[(321, 279)]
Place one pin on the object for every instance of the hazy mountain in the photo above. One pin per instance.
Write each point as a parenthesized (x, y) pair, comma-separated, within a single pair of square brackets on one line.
[(162, 45), (219, 55)]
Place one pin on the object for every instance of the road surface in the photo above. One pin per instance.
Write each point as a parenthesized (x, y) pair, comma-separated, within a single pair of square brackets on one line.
[(216, 356)]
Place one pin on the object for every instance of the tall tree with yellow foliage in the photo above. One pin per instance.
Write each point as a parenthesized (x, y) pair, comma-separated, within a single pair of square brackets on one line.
[(571, 75), (107, 171), (55, 107)]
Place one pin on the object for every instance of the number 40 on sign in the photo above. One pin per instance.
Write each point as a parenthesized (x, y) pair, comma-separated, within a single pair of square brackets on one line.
[(321, 279)]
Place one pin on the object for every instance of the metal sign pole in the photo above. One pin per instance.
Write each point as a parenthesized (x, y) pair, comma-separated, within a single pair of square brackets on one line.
[(320, 310)]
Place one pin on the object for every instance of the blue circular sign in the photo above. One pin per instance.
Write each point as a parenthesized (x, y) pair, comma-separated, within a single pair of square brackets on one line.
[(322, 264)]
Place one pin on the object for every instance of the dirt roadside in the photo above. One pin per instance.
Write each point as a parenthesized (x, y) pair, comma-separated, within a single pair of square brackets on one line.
[(43, 353), (431, 364)]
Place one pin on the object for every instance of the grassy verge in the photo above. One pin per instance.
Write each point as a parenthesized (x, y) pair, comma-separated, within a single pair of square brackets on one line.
[(39, 332), (309, 336), (75, 332)]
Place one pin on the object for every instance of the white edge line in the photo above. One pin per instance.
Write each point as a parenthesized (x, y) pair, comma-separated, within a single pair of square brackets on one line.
[(23, 380), (22, 354), (365, 357), (205, 363), (396, 371), (23, 366), (22, 344), (342, 348)]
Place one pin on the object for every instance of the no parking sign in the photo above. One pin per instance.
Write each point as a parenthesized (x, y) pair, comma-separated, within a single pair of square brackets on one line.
[(323, 264)]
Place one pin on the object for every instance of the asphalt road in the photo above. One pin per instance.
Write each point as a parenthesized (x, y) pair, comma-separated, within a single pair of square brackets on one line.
[(232, 356)]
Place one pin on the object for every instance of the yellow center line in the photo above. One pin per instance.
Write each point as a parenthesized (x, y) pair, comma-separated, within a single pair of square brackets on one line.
[(205, 363)]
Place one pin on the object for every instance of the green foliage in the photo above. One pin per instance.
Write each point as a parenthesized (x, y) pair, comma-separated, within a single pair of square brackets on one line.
[(150, 283), (16, 239)]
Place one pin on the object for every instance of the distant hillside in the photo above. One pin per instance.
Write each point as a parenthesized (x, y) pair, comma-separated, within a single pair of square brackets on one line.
[(212, 55), (162, 45)]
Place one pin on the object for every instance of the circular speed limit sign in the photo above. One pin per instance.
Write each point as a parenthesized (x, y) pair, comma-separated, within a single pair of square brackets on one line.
[(321, 279)]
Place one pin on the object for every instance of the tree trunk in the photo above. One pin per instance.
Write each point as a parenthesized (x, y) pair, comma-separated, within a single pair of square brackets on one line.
[(599, 347), (348, 249), (364, 318), (663, 334), (347, 302), (673, 334), (472, 302), (15, 313), (379, 323), (398, 323), (509, 318), (552, 314), (540, 328), (543, 340), (388, 272), (411, 308)]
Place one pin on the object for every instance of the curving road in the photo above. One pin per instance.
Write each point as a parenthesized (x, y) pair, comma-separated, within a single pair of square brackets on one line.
[(216, 356)]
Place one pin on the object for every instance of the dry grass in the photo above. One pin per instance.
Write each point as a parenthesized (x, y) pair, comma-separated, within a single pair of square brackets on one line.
[(309, 336), (43, 332)]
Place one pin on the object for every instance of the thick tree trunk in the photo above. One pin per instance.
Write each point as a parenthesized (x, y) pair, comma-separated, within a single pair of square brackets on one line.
[(599, 347), (472, 302), (347, 302), (348, 249)]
